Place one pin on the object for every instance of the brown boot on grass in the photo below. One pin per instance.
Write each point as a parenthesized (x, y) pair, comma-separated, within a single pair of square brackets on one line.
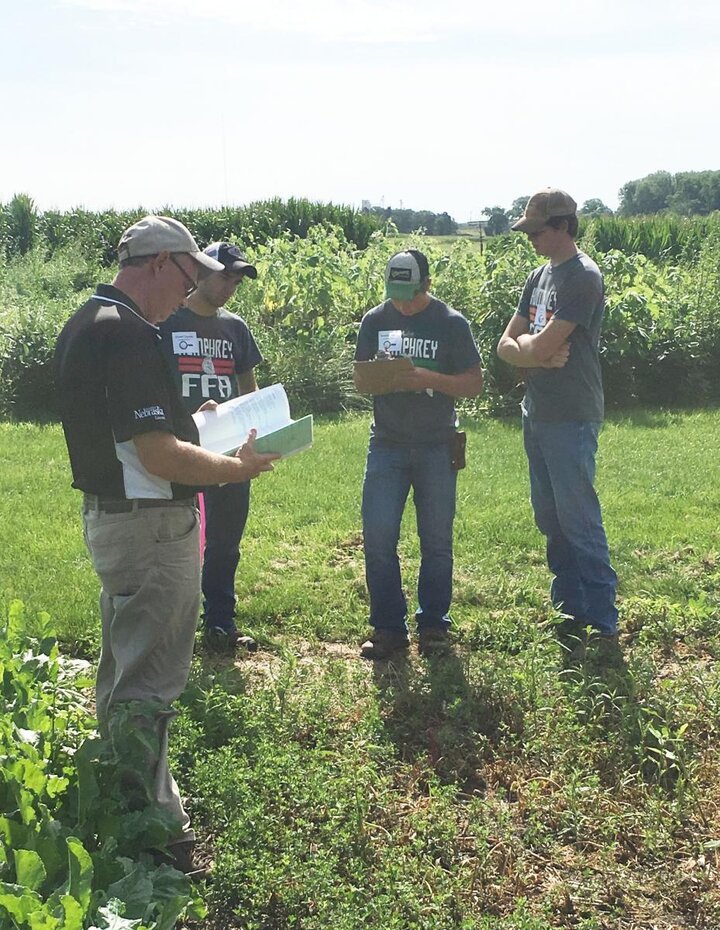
[(383, 644)]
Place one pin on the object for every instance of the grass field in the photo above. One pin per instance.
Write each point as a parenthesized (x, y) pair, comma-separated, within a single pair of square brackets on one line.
[(492, 789), (464, 234)]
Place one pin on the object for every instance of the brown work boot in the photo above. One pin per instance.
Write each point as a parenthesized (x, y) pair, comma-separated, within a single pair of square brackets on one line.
[(227, 641), (181, 856), (572, 636), (383, 644), (434, 642), (605, 651)]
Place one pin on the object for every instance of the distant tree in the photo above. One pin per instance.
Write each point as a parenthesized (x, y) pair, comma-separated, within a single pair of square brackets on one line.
[(647, 195), (498, 220), (425, 219), (695, 192), (445, 225), (687, 193), (595, 207), (518, 208), (406, 221)]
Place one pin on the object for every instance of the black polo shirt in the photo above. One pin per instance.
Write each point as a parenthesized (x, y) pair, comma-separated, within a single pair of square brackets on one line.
[(113, 384)]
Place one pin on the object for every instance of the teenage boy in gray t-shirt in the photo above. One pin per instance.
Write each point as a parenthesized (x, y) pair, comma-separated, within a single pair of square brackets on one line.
[(554, 337), (411, 443)]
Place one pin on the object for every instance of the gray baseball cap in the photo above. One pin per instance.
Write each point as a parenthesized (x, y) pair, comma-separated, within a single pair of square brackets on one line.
[(154, 234), (404, 274), (542, 206)]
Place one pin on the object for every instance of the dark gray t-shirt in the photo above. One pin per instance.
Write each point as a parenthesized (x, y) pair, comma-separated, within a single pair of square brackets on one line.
[(206, 353), (572, 291), (438, 338)]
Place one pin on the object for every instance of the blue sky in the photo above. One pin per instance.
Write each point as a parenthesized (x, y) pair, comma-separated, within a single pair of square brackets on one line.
[(439, 106)]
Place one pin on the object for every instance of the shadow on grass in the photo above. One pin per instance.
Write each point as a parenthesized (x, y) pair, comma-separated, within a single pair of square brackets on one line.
[(634, 725), (602, 667), (440, 716), (652, 417)]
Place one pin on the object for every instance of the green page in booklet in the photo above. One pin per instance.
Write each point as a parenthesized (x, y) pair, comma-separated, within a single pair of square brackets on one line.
[(288, 440)]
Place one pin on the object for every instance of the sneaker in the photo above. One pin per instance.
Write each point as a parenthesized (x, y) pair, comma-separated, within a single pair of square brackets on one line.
[(383, 644), (219, 639), (434, 642)]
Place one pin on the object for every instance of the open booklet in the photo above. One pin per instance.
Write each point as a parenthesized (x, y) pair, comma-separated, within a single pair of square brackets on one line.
[(226, 428)]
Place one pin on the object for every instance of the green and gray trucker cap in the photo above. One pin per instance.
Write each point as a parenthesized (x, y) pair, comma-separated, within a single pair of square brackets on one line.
[(405, 274), (154, 234), (542, 206)]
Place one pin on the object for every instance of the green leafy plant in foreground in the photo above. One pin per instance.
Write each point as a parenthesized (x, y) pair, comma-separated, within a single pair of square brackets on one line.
[(66, 837)]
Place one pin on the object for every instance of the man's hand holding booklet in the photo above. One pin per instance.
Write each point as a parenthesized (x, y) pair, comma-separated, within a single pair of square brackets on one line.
[(225, 428)]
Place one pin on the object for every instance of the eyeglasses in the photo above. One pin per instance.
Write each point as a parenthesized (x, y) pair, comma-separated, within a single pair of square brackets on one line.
[(192, 283)]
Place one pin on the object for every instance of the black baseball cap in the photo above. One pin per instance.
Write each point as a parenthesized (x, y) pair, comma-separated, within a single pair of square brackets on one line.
[(231, 258)]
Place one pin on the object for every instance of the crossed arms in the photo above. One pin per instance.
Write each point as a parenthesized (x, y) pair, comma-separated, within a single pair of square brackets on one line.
[(547, 349)]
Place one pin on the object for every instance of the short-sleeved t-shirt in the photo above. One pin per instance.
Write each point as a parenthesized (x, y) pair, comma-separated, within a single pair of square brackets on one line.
[(207, 353), (438, 338), (114, 384), (571, 291)]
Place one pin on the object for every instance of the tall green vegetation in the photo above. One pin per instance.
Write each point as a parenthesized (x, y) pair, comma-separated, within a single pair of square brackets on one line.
[(69, 846), (98, 233), (664, 238), (18, 224), (661, 342)]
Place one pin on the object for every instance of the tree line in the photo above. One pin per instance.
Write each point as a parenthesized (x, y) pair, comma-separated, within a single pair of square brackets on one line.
[(407, 221), (687, 193), (499, 221)]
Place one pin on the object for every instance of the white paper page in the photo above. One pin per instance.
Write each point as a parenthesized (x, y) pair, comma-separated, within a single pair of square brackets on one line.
[(227, 427)]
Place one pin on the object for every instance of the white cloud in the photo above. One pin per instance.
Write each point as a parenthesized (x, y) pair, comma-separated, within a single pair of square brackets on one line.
[(350, 20), (402, 22)]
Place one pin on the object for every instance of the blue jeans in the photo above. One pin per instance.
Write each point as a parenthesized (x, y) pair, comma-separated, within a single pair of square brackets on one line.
[(561, 456), (391, 470), (226, 513)]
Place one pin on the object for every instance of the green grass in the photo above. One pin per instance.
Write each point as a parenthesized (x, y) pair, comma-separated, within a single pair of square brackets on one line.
[(491, 790)]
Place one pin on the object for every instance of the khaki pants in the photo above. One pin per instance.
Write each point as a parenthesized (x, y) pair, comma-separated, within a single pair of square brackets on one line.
[(148, 561)]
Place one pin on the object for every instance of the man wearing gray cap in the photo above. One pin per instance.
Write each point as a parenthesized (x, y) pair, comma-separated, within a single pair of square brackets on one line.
[(134, 454), (554, 338), (213, 354)]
